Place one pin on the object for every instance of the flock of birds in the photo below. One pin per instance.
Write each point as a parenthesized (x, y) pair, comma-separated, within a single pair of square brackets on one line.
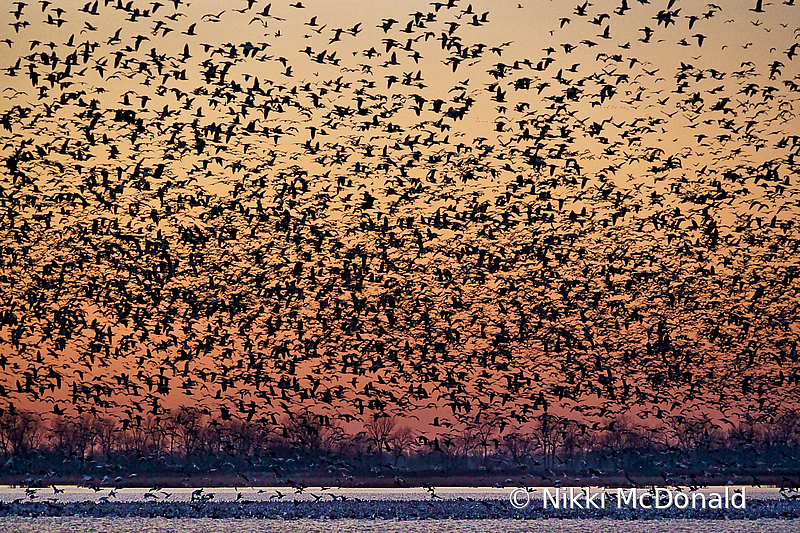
[(462, 215)]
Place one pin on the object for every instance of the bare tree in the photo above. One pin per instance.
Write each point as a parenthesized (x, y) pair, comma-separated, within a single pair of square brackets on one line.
[(106, 436), (402, 441), (187, 426), (21, 432), (379, 431), (548, 433), (483, 436), (310, 432), (518, 445)]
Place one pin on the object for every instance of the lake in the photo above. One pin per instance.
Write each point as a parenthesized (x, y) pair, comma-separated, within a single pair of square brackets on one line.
[(207, 525), (72, 493)]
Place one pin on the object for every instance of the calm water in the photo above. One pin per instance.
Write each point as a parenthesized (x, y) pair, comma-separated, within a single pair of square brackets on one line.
[(284, 493), (73, 493), (165, 525)]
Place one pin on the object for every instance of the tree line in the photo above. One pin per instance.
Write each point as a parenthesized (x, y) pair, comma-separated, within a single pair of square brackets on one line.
[(187, 440)]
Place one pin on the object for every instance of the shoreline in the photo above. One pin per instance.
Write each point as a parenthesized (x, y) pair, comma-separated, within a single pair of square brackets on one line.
[(383, 509), (409, 480)]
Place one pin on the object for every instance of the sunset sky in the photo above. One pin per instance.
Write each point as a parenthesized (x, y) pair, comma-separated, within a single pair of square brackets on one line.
[(471, 211)]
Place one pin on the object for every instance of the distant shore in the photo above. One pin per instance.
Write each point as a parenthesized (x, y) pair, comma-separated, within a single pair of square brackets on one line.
[(404, 480)]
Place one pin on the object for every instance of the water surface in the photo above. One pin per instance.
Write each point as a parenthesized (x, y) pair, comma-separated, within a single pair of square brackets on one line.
[(75, 494), (205, 525)]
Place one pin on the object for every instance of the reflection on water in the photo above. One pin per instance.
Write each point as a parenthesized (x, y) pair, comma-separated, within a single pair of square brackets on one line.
[(165, 525)]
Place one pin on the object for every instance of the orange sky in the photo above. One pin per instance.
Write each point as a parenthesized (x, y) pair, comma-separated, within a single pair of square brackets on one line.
[(575, 216)]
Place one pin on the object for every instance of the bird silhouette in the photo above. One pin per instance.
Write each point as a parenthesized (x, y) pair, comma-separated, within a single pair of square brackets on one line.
[(420, 218)]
